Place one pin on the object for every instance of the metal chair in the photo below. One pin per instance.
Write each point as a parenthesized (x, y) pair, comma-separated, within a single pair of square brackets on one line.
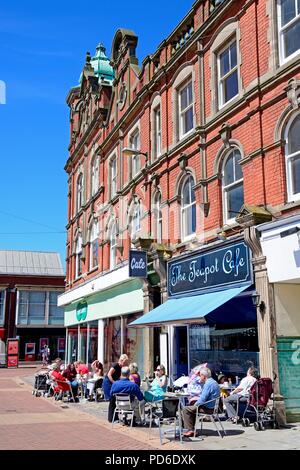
[(214, 417), (169, 410), (123, 408)]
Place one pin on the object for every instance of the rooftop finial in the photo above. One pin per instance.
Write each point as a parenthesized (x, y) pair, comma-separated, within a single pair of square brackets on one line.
[(88, 58)]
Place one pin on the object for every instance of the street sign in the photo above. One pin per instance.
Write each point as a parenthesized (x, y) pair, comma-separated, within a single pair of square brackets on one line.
[(137, 263)]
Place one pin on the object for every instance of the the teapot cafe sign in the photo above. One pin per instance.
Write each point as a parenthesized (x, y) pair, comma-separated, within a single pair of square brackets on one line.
[(213, 269)]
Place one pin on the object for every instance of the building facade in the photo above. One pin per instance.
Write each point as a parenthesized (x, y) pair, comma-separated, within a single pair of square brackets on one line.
[(184, 155), (30, 283)]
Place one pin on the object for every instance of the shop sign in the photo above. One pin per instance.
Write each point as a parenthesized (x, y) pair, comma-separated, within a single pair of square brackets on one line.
[(137, 263), (225, 266), (81, 310)]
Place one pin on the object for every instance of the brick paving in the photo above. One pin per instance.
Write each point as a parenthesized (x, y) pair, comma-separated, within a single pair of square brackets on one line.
[(31, 423)]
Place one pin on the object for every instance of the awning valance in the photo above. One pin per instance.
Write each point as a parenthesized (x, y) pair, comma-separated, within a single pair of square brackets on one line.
[(190, 309)]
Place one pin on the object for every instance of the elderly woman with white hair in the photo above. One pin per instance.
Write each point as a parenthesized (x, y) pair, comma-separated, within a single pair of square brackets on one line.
[(205, 404), (113, 374)]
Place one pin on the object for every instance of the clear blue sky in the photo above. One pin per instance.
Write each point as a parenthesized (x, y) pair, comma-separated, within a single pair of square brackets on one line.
[(42, 52)]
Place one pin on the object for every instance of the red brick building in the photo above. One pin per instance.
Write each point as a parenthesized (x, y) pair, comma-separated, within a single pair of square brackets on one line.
[(213, 119), (30, 283)]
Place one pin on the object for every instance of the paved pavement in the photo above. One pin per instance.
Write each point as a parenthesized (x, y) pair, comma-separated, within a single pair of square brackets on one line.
[(27, 422)]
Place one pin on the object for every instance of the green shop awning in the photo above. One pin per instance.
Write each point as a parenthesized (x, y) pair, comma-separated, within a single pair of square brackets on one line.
[(187, 309)]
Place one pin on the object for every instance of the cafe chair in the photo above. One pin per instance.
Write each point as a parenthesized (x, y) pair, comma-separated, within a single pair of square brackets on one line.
[(168, 412), (123, 408), (213, 417)]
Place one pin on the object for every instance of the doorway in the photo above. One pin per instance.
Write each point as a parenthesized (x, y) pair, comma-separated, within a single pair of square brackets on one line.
[(181, 351)]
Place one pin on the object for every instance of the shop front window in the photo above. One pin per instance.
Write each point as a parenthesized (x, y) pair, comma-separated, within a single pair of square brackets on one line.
[(93, 342), (134, 343), (72, 344), (112, 340), (227, 350), (83, 342)]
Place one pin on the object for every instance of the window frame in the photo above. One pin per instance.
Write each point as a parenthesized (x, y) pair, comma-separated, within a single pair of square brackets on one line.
[(78, 259), (2, 306), (79, 192), (281, 29), (187, 207), (182, 112), (288, 160), (221, 80), (94, 242), (158, 217), (135, 159), (136, 216), (157, 132), (94, 175), (228, 187), (113, 246), (113, 176)]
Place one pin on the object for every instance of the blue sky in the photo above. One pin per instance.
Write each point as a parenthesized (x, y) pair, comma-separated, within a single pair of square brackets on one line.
[(42, 52)]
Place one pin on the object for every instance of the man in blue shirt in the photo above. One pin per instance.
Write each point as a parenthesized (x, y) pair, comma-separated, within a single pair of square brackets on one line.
[(124, 385), (205, 403)]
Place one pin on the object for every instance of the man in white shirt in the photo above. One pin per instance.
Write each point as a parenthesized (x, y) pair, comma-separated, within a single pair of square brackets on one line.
[(240, 394)]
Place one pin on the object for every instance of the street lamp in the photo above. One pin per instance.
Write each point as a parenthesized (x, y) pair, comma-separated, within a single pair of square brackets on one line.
[(257, 303), (129, 152)]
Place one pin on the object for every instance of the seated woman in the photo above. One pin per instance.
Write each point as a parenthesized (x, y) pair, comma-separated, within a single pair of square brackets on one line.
[(158, 386), (96, 380), (224, 392), (63, 384), (134, 374), (70, 374)]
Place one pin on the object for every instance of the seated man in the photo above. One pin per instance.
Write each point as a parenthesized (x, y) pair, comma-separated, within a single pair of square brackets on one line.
[(205, 404), (124, 385), (240, 395)]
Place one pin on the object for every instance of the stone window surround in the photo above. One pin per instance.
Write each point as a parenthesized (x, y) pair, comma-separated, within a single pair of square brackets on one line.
[(226, 34), (276, 18), (181, 179), (183, 76), (156, 103), (112, 156), (222, 161), (290, 197), (95, 163)]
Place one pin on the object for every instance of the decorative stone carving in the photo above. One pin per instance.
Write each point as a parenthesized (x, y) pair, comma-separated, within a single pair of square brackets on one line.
[(293, 93), (225, 134), (253, 215), (182, 160)]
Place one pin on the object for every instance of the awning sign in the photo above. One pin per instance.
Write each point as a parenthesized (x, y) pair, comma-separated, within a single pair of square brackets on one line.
[(226, 266)]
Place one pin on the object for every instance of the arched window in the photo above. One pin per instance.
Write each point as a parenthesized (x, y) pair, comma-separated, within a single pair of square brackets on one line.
[(233, 186), (134, 142), (113, 176), (158, 217), (135, 221), (95, 176), (292, 153), (79, 192), (78, 259), (188, 209), (94, 245), (113, 246)]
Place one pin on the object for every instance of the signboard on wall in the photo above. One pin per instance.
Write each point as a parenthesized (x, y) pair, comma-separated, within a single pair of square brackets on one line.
[(81, 310), (61, 344), (137, 263), (12, 352), (222, 267)]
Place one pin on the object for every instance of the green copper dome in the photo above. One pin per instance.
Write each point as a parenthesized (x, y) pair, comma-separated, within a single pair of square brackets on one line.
[(101, 66), (100, 63)]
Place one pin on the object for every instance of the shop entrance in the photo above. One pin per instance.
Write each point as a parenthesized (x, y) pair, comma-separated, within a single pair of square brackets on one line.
[(181, 351)]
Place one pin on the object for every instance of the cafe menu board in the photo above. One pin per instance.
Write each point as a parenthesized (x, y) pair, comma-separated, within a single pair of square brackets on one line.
[(12, 356)]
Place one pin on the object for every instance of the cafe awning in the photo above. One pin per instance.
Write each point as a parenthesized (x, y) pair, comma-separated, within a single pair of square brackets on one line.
[(191, 309)]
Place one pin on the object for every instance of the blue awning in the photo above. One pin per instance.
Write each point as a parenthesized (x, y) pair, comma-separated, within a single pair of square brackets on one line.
[(187, 309)]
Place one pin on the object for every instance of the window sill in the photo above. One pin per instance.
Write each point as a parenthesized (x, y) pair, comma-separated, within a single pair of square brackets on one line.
[(92, 270)]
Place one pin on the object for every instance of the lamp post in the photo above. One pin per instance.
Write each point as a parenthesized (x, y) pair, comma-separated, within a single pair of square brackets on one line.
[(129, 152)]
